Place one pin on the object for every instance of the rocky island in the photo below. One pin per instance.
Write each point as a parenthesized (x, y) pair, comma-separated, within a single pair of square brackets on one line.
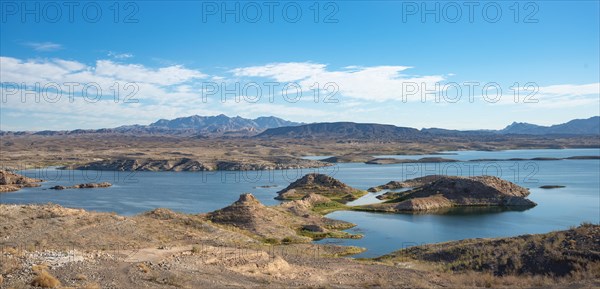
[(388, 161), (83, 186), (548, 187), (322, 185), (438, 192)]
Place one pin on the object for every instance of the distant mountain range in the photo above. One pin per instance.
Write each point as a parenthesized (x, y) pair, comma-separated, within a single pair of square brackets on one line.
[(194, 125), (273, 127), (588, 126), (220, 124), (343, 130)]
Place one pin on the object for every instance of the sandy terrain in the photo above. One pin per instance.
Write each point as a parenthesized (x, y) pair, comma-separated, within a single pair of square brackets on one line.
[(161, 249), (34, 150)]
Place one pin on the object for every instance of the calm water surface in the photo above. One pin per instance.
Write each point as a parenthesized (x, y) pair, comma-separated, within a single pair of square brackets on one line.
[(194, 192)]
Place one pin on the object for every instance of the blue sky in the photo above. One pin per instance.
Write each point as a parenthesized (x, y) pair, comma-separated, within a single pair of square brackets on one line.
[(175, 58)]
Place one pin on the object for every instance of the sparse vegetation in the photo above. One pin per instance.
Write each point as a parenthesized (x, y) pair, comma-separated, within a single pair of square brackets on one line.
[(196, 249), (30, 151), (328, 207), (564, 253), (467, 263), (272, 241), (329, 234), (143, 268), (9, 265), (45, 280), (92, 286), (80, 277)]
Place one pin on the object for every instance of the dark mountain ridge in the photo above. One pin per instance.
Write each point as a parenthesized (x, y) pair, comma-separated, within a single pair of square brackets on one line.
[(589, 126), (343, 130)]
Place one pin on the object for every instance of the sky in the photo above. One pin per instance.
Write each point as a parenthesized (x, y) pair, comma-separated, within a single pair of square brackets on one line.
[(456, 65)]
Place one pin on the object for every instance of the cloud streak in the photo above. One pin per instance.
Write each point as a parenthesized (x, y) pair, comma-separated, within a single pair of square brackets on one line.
[(44, 46)]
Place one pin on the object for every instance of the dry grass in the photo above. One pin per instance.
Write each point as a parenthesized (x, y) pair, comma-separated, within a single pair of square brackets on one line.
[(39, 268), (19, 285), (45, 280), (172, 279), (12, 251), (9, 265), (143, 267), (80, 277), (487, 280), (91, 286), (196, 249)]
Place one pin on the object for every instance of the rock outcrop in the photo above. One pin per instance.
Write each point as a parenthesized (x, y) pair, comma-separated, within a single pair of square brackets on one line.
[(291, 221), (322, 185), (10, 182), (451, 191), (83, 186), (249, 214)]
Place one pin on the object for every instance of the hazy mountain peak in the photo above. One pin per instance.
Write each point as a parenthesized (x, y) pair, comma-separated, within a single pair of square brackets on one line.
[(221, 123), (577, 126)]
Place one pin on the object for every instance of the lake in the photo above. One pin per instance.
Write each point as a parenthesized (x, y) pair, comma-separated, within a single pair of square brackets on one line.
[(196, 192)]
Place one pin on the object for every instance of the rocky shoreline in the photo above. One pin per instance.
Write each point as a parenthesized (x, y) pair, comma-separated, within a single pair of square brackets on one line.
[(83, 186), (192, 165), (367, 159), (11, 182)]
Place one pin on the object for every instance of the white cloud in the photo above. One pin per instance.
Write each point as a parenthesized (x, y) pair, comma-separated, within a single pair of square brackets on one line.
[(119, 55), (375, 83), (44, 46), (105, 73), (553, 96), (569, 95), (161, 92), (282, 72), (571, 89), (138, 73)]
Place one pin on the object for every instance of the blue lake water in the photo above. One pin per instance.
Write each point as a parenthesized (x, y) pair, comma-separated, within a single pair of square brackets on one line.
[(195, 192)]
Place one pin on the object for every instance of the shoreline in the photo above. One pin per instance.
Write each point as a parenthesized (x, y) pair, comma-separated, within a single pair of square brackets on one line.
[(120, 216)]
